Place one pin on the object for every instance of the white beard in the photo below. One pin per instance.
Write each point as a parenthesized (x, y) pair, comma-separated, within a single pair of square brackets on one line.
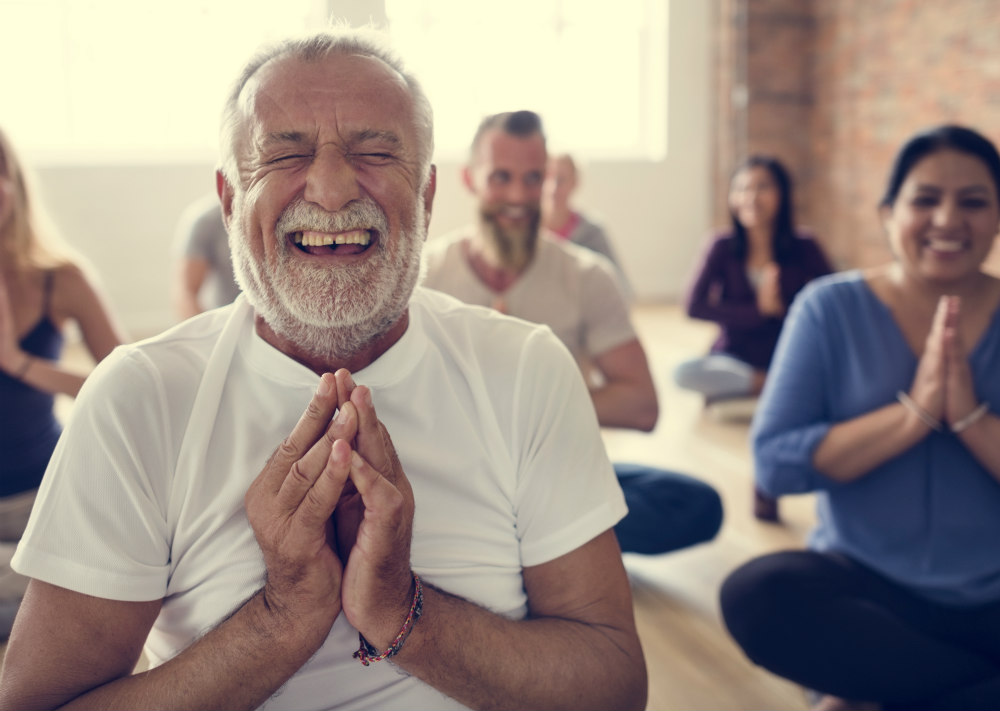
[(331, 313)]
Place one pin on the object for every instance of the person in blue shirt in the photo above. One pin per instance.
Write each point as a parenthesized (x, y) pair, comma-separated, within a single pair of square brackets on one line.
[(882, 399)]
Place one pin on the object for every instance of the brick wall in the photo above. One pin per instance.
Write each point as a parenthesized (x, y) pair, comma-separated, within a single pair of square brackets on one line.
[(834, 87)]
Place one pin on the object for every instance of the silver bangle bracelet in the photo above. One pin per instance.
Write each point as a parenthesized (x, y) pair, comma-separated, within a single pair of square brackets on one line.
[(971, 418), (920, 412)]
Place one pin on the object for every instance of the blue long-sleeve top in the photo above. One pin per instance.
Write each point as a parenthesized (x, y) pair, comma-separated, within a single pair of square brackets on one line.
[(928, 518)]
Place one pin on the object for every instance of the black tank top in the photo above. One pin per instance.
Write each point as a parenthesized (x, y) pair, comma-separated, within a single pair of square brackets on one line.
[(28, 426)]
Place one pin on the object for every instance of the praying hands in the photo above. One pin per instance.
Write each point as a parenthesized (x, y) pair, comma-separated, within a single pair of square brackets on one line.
[(333, 512)]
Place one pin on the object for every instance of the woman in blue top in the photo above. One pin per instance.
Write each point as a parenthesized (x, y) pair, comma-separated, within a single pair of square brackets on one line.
[(41, 289), (882, 399)]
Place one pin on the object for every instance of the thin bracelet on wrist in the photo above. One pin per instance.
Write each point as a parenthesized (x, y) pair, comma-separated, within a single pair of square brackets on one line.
[(367, 654), (19, 375), (972, 418), (920, 412)]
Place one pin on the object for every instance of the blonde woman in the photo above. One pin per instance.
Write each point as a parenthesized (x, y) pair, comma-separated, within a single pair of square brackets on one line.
[(42, 289)]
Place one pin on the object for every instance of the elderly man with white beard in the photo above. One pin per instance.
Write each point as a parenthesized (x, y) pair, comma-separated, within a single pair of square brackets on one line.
[(343, 490)]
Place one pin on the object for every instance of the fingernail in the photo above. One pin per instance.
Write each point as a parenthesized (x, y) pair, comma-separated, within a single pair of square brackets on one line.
[(341, 417), (323, 389)]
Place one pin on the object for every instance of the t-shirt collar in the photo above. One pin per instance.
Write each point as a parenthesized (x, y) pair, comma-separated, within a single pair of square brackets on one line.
[(391, 367)]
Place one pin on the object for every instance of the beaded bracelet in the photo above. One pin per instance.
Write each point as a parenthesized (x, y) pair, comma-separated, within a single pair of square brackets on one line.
[(367, 654), (920, 412), (971, 418)]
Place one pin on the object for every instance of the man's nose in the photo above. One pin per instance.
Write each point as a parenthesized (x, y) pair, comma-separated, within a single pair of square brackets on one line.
[(520, 193), (331, 180)]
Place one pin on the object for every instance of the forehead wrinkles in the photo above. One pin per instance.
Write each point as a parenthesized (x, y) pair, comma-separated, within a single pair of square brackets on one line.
[(294, 99)]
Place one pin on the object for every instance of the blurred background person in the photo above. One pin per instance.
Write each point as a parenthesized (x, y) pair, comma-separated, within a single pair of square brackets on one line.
[(43, 287), (506, 261), (746, 282), (561, 218), (204, 272), (882, 400)]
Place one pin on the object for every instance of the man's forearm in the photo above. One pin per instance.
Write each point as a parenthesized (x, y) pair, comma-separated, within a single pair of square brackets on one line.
[(621, 404), (487, 661), (238, 665)]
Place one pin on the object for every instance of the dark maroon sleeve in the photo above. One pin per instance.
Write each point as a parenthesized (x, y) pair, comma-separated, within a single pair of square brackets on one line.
[(721, 292)]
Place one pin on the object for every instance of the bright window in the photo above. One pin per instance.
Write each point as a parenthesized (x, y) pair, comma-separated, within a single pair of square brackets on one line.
[(129, 79), (595, 71), (137, 80)]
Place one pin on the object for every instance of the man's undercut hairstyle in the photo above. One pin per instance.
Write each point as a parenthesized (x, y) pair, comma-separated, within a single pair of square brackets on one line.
[(342, 40), (516, 123)]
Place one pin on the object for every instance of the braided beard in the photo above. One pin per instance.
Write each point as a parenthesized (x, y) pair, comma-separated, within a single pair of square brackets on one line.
[(514, 248)]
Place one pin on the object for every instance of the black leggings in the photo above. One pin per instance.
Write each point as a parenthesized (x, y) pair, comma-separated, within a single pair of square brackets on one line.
[(828, 623)]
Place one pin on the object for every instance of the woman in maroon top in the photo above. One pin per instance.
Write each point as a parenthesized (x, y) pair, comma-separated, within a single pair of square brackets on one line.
[(746, 283)]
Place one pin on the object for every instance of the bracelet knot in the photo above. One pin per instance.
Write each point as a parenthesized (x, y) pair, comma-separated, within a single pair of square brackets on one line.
[(367, 654)]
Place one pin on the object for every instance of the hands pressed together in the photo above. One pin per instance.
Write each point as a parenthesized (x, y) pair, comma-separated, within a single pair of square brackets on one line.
[(333, 515), (943, 385), (769, 301)]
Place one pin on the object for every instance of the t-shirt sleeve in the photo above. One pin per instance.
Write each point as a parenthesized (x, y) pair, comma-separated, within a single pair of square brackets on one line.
[(197, 232), (607, 322), (792, 417), (567, 492), (99, 524)]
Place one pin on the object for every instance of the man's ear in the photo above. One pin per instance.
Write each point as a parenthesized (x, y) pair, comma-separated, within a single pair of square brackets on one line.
[(467, 179), (429, 191), (225, 192)]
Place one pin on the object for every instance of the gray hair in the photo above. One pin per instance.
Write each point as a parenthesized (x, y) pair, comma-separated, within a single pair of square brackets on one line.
[(312, 47)]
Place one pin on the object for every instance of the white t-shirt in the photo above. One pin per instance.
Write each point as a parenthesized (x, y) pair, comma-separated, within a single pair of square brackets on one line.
[(143, 498), (573, 290)]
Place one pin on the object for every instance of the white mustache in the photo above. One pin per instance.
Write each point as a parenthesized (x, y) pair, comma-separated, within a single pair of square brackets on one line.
[(301, 216)]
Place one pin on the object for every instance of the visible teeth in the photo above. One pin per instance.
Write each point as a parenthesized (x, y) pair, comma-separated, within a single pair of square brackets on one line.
[(945, 245), (320, 239)]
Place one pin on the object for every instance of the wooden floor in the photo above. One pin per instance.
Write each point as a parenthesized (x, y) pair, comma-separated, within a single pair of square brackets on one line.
[(692, 662)]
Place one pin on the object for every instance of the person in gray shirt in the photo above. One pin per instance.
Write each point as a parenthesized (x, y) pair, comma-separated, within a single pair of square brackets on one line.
[(204, 277)]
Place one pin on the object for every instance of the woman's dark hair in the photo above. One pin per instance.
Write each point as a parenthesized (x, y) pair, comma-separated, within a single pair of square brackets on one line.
[(939, 138), (783, 234)]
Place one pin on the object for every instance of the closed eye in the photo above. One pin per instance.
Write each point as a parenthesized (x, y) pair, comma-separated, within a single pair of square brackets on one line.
[(285, 158), (375, 157)]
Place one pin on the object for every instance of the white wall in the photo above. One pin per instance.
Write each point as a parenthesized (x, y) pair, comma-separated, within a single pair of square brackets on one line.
[(123, 216)]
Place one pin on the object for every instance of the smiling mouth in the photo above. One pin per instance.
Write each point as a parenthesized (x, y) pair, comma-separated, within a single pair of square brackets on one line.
[(326, 243), (947, 246)]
